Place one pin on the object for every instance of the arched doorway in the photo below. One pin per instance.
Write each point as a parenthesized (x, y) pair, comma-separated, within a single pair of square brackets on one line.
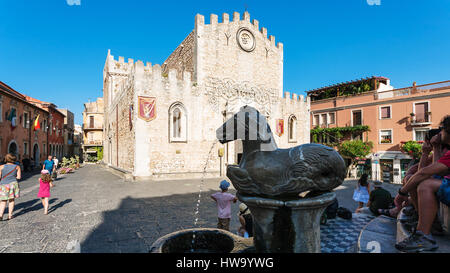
[(36, 154), (12, 148)]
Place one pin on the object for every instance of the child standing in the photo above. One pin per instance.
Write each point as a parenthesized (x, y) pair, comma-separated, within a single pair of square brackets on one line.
[(223, 200), (45, 183), (362, 192)]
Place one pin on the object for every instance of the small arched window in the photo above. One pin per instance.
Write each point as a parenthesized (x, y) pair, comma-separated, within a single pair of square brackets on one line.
[(177, 123), (292, 125)]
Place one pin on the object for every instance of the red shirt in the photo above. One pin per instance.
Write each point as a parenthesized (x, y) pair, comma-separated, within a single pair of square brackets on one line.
[(445, 159)]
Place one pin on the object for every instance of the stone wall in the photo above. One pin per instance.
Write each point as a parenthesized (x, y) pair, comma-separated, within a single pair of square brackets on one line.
[(224, 78), (218, 53), (182, 58)]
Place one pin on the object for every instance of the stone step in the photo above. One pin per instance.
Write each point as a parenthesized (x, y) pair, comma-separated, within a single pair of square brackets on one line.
[(378, 236), (381, 234), (442, 241), (444, 216)]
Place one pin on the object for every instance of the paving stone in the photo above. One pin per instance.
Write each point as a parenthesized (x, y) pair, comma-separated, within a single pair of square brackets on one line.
[(107, 215)]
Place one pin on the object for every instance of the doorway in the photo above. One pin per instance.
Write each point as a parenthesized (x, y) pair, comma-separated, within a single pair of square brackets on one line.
[(12, 148), (387, 170), (36, 154)]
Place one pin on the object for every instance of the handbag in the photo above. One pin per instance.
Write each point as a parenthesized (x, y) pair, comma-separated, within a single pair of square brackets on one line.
[(3, 177)]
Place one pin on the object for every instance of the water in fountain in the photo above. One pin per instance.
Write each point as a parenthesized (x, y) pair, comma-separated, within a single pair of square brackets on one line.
[(197, 209)]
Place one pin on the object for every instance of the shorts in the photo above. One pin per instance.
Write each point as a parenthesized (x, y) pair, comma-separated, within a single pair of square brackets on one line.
[(9, 191), (443, 193), (224, 223)]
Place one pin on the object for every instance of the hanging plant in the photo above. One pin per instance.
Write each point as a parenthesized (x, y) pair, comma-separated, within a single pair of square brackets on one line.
[(413, 148)]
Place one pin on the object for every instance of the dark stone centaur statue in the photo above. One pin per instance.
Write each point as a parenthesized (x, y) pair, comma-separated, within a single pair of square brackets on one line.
[(267, 171)]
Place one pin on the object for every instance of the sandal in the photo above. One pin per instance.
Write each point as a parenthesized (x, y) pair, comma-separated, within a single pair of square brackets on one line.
[(10, 217)]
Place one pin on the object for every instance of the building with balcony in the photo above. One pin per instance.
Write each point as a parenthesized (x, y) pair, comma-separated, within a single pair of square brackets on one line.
[(54, 127), (93, 129), (393, 116)]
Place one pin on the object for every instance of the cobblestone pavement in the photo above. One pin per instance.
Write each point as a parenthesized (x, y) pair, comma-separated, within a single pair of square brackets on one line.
[(92, 210)]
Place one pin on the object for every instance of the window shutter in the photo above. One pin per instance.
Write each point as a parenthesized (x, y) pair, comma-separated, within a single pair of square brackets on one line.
[(420, 112)]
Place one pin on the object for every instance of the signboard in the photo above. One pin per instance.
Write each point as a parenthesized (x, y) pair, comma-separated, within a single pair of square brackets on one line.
[(280, 127), (147, 108)]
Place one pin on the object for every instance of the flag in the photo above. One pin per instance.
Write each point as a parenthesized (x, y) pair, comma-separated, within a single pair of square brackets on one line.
[(12, 117), (36, 124)]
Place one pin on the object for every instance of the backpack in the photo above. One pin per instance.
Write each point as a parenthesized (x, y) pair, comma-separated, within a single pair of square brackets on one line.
[(344, 213), (331, 210)]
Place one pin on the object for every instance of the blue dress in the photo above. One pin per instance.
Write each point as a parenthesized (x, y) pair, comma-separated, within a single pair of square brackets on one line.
[(361, 194)]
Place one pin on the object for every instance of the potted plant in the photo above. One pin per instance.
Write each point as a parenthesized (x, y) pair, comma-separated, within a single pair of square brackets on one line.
[(77, 159)]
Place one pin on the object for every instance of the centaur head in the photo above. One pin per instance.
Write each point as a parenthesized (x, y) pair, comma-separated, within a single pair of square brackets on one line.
[(250, 126)]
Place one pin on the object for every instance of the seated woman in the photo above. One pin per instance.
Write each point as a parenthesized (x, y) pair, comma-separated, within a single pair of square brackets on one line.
[(246, 220)]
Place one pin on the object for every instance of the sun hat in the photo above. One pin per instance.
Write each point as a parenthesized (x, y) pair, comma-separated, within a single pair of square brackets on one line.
[(45, 172), (224, 184), (243, 209)]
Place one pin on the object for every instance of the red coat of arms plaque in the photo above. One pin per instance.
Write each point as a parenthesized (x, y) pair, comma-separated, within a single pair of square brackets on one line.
[(280, 127), (147, 108)]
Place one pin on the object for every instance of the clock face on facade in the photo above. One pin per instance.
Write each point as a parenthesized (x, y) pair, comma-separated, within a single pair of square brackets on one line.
[(246, 40)]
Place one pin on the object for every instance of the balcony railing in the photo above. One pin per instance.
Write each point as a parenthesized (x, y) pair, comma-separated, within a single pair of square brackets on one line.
[(95, 127), (421, 120), (93, 142), (413, 90)]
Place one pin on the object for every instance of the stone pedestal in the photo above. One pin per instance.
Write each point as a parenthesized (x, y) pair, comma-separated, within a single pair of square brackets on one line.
[(287, 226)]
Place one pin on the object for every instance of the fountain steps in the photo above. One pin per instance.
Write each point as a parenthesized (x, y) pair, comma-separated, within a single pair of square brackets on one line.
[(386, 231)]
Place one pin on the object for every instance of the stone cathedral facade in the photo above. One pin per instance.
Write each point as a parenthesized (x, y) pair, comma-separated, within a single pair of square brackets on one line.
[(160, 120)]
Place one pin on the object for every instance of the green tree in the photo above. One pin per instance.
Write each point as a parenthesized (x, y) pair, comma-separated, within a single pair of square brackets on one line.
[(99, 153), (355, 149)]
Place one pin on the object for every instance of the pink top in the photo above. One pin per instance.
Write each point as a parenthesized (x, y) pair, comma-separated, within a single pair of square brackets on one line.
[(224, 200), (44, 189)]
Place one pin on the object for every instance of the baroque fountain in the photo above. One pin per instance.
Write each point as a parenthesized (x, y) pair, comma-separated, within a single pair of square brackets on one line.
[(287, 191)]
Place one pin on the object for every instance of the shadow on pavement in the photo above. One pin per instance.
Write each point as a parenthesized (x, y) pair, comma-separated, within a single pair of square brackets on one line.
[(59, 178), (59, 205), (138, 222), (29, 208)]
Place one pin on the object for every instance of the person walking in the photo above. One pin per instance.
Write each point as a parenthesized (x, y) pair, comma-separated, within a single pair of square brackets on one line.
[(9, 187), (223, 200), (362, 192), (55, 174), (49, 165), (45, 183)]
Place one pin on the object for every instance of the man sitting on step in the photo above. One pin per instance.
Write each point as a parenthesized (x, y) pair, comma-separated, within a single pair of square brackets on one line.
[(431, 186)]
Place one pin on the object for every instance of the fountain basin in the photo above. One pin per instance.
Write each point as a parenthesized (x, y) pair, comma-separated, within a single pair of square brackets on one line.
[(287, 226), (207, 240)]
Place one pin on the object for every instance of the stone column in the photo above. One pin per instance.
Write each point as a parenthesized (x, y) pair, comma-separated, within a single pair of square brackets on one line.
[(287, 226)]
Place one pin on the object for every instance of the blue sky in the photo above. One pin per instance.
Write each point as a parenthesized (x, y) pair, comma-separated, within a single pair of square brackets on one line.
[(55, 51)]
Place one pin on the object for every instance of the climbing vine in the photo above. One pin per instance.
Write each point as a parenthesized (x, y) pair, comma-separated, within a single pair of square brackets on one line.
[(337, 132)]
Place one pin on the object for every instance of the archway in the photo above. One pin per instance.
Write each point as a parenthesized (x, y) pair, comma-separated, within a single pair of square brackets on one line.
[(36, 154), (12, 148)]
